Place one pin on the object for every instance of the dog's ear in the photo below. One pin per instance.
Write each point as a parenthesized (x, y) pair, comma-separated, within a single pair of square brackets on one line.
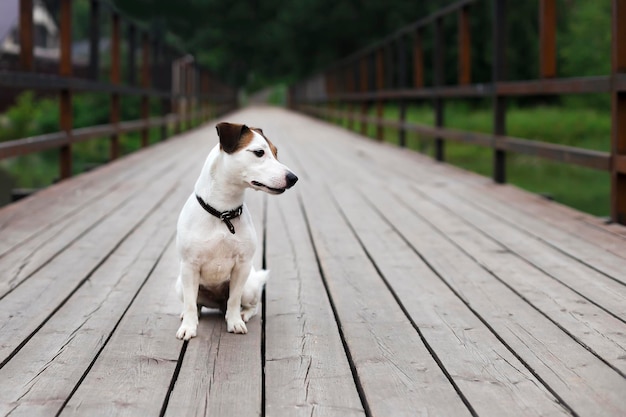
[(230, 135)]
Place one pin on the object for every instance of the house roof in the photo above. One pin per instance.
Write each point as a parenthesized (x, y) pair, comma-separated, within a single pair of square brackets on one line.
[(9, 16)]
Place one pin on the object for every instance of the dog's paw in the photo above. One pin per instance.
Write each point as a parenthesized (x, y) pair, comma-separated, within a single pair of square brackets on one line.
[(236, 326), (186, 331), (247, 313)]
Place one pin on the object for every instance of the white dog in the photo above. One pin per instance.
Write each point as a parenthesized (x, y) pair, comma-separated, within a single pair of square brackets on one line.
[(216, 238)]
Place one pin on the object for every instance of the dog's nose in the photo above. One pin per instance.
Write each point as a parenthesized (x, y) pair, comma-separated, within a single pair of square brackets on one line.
[(291, 179)]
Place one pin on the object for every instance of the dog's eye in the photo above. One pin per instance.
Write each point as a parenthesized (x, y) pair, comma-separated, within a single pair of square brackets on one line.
[(259, 153)]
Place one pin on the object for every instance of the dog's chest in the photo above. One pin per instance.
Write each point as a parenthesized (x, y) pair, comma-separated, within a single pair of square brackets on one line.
[(216, 254)]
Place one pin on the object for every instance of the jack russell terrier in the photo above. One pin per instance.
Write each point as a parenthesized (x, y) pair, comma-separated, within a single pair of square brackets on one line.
[(215, 235)]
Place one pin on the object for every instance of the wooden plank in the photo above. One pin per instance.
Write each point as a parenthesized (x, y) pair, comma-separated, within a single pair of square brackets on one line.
[(306, 368), (567, 308), (593, 285), (569, 243), (84, 256), (28, 218), (43, 374), (601, 332), (133, 373), (26, 259), (577, 380), (482, 367), (591, 228), (221, 372), (537, 341), (397, 374)]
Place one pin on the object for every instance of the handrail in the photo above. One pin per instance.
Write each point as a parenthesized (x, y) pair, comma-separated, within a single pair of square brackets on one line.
[(372, 77), (186, 91)]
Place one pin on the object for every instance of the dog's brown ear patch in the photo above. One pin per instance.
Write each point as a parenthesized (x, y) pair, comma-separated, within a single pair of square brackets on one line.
[(230, 136)]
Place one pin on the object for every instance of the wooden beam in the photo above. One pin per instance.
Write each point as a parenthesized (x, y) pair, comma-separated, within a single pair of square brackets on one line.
[(27, 33), (94, 39), (65, 70), (418, 60), (465, 57), (618, 114), (439, 79), (547, 38), (498, 73), (116, 74), (380, 85), (145, 83)]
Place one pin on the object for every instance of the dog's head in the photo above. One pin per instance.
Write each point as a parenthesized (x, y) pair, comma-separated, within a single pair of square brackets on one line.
[(251, 155)]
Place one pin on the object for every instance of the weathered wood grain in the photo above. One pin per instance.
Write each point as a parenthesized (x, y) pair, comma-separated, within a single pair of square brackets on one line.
[(537, 341), (25, 259), (26, 219), (132, 375), (20, 316), (306, 368), (396, 371), (38, 379), (399, 286), (482, 367), (529, 267)]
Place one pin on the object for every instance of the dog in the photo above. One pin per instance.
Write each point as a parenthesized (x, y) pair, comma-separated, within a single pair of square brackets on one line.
[(215, 235)]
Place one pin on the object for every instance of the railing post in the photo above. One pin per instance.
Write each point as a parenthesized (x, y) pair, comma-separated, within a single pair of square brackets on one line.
[(115, 81), (547, 38), (418, 67), (402, 103), (418, 60), (131, 48), (328, 80), (618, 100), (465, 57), (349, 89), (364, 79), (438, 68), (94, 39), (65, 69), (499, 102), (380, 85), (27, 34), (145, 83)]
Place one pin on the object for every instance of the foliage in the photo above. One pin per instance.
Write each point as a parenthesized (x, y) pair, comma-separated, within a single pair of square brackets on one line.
[(29, 117), (581, 188), (32, 116), (255, 44)]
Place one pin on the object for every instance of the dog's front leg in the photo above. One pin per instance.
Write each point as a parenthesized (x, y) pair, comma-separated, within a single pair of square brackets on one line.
[(238, 277), (190, 280)]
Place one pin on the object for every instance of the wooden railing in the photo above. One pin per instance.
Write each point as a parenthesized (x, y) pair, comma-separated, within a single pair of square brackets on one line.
[(363, 80), (186, 92)]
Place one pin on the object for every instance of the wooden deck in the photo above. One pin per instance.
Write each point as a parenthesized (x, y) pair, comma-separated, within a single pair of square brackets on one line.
[(399, 287)]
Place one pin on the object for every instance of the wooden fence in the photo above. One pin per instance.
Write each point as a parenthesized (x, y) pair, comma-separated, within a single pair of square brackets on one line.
[(363, 80), (185, 91)]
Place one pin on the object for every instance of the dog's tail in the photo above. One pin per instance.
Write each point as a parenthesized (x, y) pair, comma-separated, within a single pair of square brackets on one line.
[(253, 290)]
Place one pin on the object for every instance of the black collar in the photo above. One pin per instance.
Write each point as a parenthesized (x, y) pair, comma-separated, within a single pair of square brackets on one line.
[(225, 216)]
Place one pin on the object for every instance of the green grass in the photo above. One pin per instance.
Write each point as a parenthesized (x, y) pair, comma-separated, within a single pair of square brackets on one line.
[(41, 169), (584, 189)]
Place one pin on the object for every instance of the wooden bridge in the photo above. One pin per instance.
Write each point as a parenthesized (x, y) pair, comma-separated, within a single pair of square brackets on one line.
[(399, 286)]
